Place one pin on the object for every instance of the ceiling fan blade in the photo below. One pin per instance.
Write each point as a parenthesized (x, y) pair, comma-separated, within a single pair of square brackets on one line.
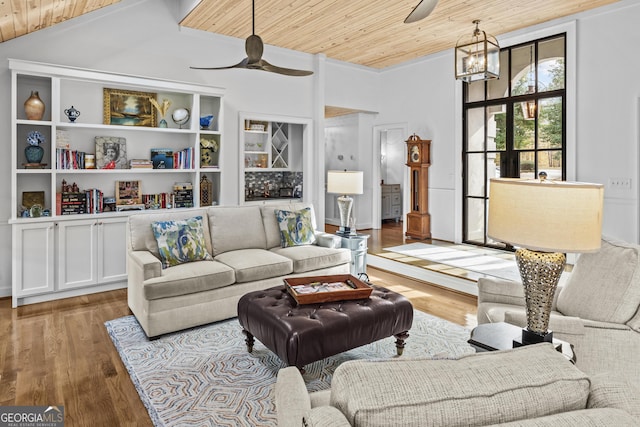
[(241, 64), (281, 70), (421, 11)]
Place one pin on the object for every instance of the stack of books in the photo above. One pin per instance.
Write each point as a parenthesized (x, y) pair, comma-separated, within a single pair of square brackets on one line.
[(183, 195), (140, 164), (71, 203)]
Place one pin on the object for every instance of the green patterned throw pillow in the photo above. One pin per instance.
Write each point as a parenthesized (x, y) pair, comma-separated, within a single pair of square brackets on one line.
[(180, 241), (296, 228)]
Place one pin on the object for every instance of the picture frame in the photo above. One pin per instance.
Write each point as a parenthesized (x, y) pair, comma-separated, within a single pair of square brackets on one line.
[(128, 193), (111, 152), (31, 198), (128, 108)]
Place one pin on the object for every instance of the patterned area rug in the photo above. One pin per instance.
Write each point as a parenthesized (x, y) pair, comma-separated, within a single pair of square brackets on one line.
[(204, 376), (461, 260)]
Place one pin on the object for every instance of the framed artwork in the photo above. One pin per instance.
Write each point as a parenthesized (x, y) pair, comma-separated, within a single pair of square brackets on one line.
[(128, 108), (128, 193), (111, 152), (30, 198)]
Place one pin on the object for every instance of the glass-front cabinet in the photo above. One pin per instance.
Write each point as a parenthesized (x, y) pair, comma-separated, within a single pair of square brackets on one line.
[(272, 157)]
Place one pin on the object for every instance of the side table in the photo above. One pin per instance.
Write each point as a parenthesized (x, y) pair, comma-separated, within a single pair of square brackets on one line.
[(500, 336), (357, 244)]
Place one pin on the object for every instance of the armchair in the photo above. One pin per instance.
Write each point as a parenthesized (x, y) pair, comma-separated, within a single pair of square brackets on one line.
[(529, 386), (596, 310)]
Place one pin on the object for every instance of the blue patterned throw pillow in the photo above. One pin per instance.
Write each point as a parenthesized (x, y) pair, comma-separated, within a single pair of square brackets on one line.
[(296, 228), (180, 241)]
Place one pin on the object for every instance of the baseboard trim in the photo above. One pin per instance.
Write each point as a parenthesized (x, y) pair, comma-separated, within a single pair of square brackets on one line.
[(445, 280)]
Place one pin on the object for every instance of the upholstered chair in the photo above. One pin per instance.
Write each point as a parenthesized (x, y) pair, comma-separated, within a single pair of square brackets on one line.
[(596, 309)]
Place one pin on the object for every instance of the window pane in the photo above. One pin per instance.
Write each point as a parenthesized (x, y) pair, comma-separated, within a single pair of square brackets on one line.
[(475, 174), (550, 123), (475, 220), (496, 127), (498, 88), (522, 77), (493, 163), (551, 65), (523, 130), (475, 129), (527, 165), (475, 91), (551, 163)]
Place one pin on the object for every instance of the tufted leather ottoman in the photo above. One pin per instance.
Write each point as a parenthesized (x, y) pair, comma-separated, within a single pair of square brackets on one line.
[(301, 334)]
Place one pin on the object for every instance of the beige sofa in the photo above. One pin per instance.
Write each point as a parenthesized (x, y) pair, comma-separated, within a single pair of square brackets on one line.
[(597, 310), (528, 386), (244, 242)]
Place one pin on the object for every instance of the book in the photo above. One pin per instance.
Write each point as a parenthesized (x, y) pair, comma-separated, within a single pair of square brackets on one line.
[(162, 158)]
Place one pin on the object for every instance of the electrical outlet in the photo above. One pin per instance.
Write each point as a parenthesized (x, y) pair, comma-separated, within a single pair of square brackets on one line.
[(620, 183)]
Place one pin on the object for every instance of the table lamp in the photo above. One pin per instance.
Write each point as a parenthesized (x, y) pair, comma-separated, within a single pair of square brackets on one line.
[(345, 183), (545, 219)]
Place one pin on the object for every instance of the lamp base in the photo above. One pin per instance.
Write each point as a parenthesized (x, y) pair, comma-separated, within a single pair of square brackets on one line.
[(529, 338), (345, 231)]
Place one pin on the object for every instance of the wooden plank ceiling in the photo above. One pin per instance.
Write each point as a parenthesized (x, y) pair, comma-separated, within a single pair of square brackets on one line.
[(372, 32), (20, 17), (366, 32)]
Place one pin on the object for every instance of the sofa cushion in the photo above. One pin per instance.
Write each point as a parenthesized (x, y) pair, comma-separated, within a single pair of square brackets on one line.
[(189, 278), (234, 228), (582, 418), (309, 258), (295, 227), (141, 237), (271, 227), (180, 241), (605, 285), (479, 389), (255, 264)]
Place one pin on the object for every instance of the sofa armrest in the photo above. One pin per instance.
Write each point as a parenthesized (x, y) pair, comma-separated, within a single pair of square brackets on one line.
[(292, 398), (491, 289), (563, 325), (325, 416), (146, 263), (328, 240), (606, 393)]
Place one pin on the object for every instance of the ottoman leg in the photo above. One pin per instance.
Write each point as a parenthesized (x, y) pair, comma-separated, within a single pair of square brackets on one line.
[(400, 341), (249, 340)]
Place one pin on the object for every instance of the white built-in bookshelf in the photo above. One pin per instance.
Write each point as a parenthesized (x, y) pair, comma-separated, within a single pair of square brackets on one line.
[(58, 254)]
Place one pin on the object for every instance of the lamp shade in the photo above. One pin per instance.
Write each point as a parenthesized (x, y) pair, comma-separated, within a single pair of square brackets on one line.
[(345, 182), (549, 216)]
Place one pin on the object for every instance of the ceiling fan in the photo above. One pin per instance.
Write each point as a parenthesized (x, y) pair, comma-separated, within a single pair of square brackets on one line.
[(421, 11), (254, 48)]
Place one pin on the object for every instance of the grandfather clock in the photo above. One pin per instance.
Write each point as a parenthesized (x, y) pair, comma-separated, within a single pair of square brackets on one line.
[(419, 160)]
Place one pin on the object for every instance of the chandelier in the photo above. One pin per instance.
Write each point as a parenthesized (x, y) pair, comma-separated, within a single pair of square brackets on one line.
[(478, 58)]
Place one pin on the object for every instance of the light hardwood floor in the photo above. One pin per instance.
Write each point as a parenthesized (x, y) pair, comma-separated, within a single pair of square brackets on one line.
[(59, 352)]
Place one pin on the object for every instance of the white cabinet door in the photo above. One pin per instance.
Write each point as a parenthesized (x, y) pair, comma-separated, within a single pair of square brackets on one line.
[(77, 253), (112, 249), (33, 259)]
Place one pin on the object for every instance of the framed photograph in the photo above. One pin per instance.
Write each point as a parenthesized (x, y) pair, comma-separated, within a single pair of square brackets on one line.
[(111, 152), (128, 193), (128, 108)]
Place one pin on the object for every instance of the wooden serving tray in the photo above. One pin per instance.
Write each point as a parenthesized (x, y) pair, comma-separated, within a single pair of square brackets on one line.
[(316, 289)]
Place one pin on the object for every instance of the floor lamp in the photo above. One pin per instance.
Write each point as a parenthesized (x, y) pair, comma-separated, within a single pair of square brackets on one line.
[(545, 219), (345, 183)]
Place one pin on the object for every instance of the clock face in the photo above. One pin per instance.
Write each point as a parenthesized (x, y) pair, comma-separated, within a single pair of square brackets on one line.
[(415, 154)]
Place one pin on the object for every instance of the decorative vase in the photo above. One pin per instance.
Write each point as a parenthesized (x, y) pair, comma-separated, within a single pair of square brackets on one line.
[(34, 153), (72, 114), (162, 124), (34, 107)]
